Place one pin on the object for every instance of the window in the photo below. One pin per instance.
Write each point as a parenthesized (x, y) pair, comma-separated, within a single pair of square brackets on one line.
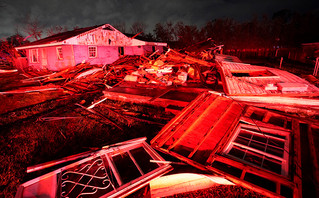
[(34, 55), (121, 51), (92, 178), (265, 148), (92, 52), (253, 73), (59, 53), (133, 163)]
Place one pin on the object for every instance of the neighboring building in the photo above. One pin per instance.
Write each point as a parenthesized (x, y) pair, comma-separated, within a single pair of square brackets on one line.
[(98, 45)]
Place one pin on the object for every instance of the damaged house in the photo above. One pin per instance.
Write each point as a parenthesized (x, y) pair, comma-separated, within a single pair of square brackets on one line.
[(97, 45)]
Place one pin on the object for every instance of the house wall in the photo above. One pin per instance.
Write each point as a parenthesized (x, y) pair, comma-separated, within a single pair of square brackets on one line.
[(153, 48), (142, 50), (105, 54), (133, 50), (47, 58), (56, 64), (34, 65)]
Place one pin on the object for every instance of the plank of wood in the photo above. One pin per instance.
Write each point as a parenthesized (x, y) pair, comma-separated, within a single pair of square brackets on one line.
[(202, 124), (225, 124)]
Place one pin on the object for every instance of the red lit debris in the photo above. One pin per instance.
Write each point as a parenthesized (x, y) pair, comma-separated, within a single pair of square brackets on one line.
[(223, 125), (252, 147), (114, 171), (264, 85)]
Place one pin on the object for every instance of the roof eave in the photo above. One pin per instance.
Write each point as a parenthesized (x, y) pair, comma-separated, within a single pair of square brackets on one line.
[(156, 43), (37, 46)]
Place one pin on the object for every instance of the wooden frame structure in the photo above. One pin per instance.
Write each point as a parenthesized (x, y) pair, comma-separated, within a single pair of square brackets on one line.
[(258, 84), (202, 133)]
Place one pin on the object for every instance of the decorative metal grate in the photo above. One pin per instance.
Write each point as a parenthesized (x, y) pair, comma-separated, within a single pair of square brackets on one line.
[(89, 179)]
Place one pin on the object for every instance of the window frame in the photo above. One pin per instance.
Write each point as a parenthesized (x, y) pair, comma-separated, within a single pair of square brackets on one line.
[(95, 51), (121, 51), (269, 133), (34, 53), (112, 164), (59, 53)]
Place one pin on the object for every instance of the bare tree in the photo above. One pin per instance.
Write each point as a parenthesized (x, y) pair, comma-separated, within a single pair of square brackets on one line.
[(33, 28), (138, 27), (164, 32), (186, 34), (120, 26), (56, 29)]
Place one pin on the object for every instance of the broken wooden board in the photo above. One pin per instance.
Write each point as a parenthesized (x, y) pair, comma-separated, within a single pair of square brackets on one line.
[(167, 97), (199, 128), (114, 171), (250, 146)]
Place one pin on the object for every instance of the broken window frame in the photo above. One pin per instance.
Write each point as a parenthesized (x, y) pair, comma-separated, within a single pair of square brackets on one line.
[(269, 134), (34, 55), (131, 157), (92, 50), (106, 154), (59, 53)]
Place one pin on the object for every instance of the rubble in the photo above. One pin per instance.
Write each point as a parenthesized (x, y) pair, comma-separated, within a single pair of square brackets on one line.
[(249, 146), (214, 98)]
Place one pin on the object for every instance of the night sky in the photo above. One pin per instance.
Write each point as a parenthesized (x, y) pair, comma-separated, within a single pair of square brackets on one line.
[(84, 13)]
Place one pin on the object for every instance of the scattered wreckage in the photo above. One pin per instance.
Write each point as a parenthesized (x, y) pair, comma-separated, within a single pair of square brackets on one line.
[(233, 120), (253, 147), (114, 171)]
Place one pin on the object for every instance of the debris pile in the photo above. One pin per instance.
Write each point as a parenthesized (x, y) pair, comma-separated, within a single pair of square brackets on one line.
[(209, 133), (174, 68), (171, 68)]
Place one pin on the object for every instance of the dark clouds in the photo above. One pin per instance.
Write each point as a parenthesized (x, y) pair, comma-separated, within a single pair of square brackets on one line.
[(84, 13)]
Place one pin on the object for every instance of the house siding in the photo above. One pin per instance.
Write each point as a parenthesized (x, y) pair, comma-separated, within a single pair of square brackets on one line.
[(105, 54), (47, 58), (56, 64), (133, 50)]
